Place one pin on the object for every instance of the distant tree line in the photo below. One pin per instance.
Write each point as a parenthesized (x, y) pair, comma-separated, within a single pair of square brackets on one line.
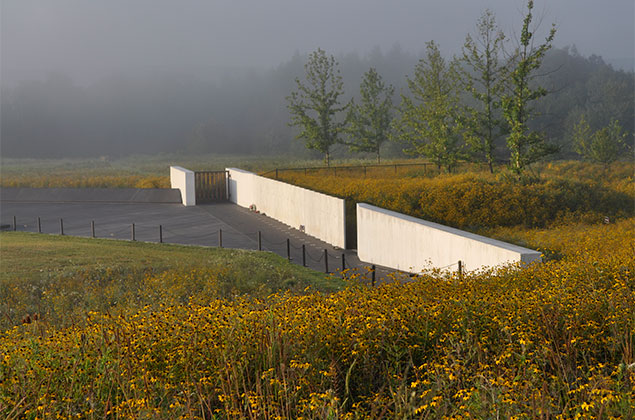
[(491, 101), (444, 108)]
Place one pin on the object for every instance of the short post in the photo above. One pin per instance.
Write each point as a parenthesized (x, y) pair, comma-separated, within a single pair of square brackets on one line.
[(373, 268), (160, 234), (132, 232), (303, 255), (61, 227), (15, 224), (276, 173), (39, 225), (220, 238), (343, 261), (92, 228), (288, 249), (326, 261), (460, 268), (259, 241)]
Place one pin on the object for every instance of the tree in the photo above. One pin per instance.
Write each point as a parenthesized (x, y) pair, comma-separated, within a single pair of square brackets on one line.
[(430, 121), (314, 106), (484, 79), (581, 136), (605, 146), (525, 145), (369, 122)]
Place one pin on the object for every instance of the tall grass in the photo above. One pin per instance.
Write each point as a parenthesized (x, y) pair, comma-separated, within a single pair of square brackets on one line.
[(563, 193), (553, 340)]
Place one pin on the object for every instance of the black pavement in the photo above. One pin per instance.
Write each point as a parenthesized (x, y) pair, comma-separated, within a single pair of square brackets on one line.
[(205, 225)]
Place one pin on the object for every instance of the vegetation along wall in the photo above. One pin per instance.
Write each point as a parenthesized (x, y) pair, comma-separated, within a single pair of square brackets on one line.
[(409, 244), (317, 214)]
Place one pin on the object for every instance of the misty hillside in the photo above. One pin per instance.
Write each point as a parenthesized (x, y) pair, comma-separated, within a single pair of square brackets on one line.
[(246, 111)]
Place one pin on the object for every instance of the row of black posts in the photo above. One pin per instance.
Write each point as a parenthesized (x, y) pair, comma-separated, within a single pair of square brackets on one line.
[(220, 243)]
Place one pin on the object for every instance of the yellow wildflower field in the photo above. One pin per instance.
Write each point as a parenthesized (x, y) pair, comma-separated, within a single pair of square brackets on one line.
[(552, 340)]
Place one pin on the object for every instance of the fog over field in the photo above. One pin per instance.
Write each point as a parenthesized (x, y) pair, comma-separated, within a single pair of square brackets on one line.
[(207, 75)]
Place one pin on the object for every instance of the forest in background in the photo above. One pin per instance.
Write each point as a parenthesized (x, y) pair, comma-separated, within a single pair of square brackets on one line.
[(246, 111)]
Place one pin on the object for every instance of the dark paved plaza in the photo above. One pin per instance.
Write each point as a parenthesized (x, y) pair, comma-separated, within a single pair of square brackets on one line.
[(205, 225)]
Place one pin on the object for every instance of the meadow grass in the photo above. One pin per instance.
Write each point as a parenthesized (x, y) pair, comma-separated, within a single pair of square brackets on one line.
[(62, 277), (142, 171), (552, 340), (557, 193), (129, 330)]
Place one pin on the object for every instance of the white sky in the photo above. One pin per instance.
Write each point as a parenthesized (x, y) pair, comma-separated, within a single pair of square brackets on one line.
[(90, 40)]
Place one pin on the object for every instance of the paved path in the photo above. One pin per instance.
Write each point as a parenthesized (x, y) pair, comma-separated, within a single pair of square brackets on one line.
[(198, 225)]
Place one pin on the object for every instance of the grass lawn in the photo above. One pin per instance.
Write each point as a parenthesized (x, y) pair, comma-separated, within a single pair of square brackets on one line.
[(62, 275)]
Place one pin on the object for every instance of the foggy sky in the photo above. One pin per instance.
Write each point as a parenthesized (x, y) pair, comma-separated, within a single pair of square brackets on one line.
[(91, 40)]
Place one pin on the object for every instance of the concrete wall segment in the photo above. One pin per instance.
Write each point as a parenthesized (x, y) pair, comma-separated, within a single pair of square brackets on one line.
[(409, 244), (183, 179), (321, 215)]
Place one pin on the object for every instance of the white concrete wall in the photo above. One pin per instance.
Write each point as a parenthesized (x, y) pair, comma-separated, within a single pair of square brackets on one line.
[(321, 215), (409, 244), (183, 179)]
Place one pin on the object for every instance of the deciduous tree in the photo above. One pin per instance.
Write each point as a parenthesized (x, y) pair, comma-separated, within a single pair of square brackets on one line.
[(525, 145), (604, 146), (429, 121), (315, 105), (369, 121), (483, 76)]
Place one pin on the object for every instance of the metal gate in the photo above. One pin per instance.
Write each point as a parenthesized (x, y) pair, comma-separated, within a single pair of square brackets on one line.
[(211, 186)]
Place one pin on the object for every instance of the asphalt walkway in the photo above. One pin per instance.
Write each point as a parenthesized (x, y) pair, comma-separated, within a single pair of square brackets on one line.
[(223, 224)]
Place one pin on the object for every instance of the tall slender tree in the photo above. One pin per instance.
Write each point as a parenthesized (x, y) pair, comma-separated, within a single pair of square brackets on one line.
[(525, 145), (429, 121), (369, 122), (483, 75), (315, 105)]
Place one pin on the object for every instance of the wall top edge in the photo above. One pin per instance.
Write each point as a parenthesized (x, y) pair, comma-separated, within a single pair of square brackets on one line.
[(240, 170), (448, 229), (285, 183), (179, 168)]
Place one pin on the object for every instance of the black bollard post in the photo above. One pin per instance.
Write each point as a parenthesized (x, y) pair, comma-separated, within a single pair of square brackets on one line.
[(39, 225), (460, 268), (15, 224), (220, 238), (303, 255), (259, 241), (373, 277), (92, 228), (288, 249), (132, 232), (326, 261), (160, 234), (61, 227)]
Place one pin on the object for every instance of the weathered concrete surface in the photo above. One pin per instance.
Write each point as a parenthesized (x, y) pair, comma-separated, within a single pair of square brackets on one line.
[(409, 244), (183, 180), (88, 195), (319, 215)]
